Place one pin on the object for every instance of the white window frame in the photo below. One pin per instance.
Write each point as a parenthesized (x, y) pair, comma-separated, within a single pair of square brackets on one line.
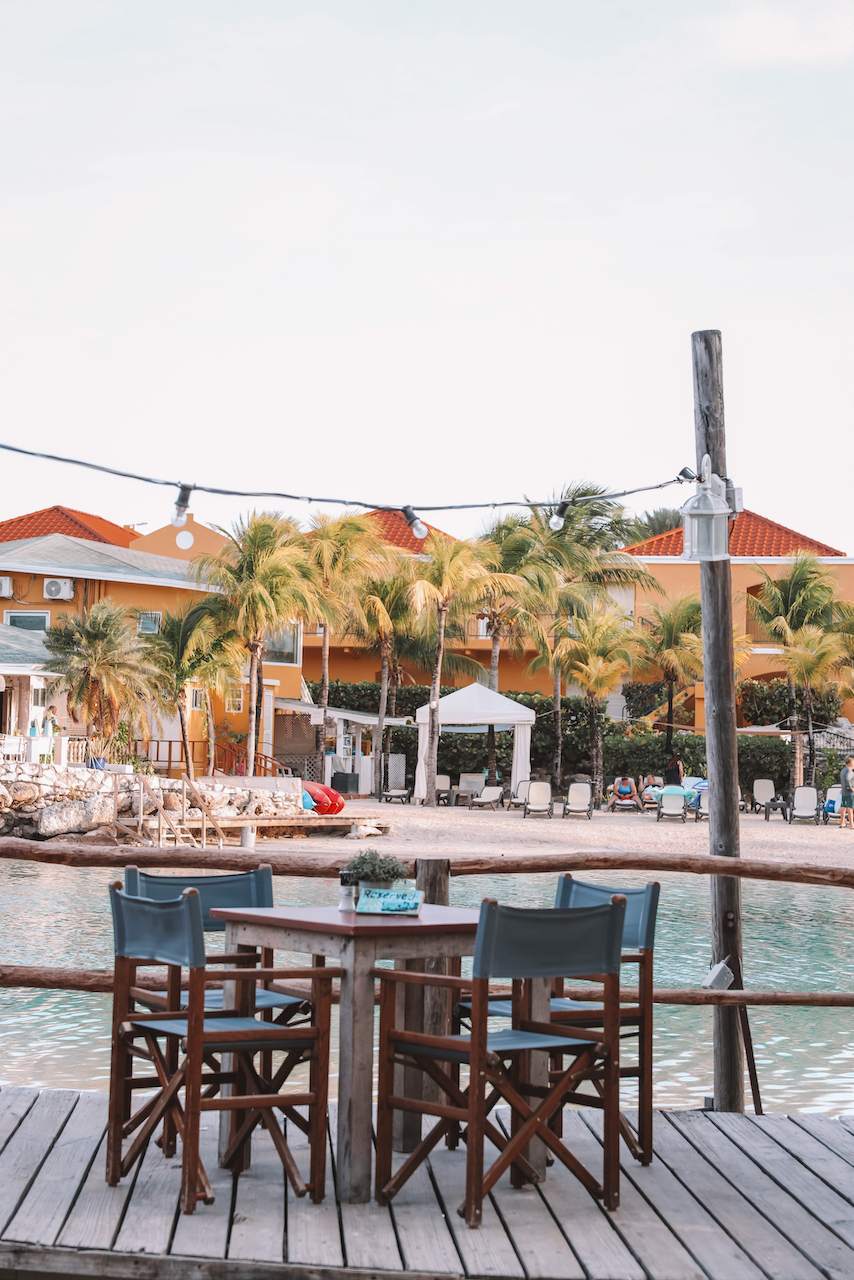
[(197, 699), (231, 696), (148, 613), (38, 696), (277, 662), (9, 614)]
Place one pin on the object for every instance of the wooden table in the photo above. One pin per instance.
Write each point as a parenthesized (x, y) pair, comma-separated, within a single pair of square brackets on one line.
[(358, 942)]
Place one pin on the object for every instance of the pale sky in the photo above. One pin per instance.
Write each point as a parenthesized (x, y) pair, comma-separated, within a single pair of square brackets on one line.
[(424, 252)]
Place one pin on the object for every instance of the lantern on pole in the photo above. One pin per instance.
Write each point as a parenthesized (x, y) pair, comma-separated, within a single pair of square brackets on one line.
[(706, 517)]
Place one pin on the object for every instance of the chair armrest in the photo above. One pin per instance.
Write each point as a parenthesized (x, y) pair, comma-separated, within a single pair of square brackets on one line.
[(265, 975), (423, 979), (565, 1032)]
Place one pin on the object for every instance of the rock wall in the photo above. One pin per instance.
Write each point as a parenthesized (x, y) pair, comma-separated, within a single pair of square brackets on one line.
[(39, 801)]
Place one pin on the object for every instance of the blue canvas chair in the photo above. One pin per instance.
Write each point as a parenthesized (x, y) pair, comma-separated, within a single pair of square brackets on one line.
[(244, 889), (521, 944), (171, 933), (638, 947)]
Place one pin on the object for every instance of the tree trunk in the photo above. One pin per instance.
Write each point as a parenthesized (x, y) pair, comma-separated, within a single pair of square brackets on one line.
[(394, 678), (668, 737), (259, 701), (810, 736), (320, 737), (491, 763), (211, 734), (253, 711), (493, 661), (793, 724), (557, 769), (433, 738), (185, 737), (378, 740), (596, 751)]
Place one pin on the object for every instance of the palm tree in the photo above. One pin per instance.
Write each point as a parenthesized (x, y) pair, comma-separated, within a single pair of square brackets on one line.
[(105, 669), (661, 520), (455, 577), (263, 579), (804, 595), (188, 647), (670, 642), (513, 616), (587, 566), (344, 551), (812, 658), (597, 652)]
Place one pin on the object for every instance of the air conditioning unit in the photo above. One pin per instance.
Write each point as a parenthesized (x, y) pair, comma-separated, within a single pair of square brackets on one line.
[(6, 588), (59, 588)]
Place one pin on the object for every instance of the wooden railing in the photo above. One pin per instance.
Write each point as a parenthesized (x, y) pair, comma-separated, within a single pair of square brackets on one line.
[(232, 759), (170, 752)]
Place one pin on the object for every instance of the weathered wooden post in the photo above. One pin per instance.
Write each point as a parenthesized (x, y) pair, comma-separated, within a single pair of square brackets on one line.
[(721, 740)]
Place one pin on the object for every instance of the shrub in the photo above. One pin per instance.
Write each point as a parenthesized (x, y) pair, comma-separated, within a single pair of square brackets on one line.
[(643, 698), (640, 753), (767, 702), (763, 758), (372, 865)]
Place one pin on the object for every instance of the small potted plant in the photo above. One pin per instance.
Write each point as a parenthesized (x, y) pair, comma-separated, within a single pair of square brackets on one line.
[(373, 871)]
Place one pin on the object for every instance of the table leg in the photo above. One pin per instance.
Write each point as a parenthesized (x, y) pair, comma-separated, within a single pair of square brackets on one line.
[(356, 1069), (408, 1081), (539, 1010), (232, 994)]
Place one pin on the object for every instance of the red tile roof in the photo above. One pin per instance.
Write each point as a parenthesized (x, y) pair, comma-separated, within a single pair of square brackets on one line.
[(752, 536), (394, 530), (77, 524)]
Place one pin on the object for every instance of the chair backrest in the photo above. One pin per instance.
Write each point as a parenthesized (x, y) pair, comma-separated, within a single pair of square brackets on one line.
[(491, 793), (671, 803), (474, 782), (805, 798), (703, 802), (641, 907), (443, 782), (522, 790), (164, 932), (764, 790), (540, 793), (244, 889), (658, 780), (537, 942), (833, 793), (579, 793)]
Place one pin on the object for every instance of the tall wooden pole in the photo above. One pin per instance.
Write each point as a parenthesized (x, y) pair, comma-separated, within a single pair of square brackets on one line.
[(721, 740)]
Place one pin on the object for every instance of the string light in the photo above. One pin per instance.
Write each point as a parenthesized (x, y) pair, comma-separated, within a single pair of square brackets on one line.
[(407, 510)]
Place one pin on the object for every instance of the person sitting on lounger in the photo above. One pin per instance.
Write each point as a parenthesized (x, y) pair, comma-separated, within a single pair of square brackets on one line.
[(624, 789), (646, 786)]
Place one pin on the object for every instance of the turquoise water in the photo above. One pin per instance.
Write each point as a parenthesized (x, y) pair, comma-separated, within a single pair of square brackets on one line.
[(796, 938)]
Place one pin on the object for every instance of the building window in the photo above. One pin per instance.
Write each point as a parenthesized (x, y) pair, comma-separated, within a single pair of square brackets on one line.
[(234, 698), (29, 621), (148, 624), (198, 701), (39, 697), (283, 645)]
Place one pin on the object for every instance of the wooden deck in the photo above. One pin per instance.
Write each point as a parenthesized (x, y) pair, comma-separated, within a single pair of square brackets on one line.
[(727, 1197)]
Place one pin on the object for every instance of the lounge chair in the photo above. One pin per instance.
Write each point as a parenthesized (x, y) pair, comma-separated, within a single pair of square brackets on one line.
[(671, 805), (833, 793), (539, 799), (702, 810), (403, 794), (579, 799), (443, 788), (520, 795), (765, 797), (472, 782), (490, 797), (806, 805)]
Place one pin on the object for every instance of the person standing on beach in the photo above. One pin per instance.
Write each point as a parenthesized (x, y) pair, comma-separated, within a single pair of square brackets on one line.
[(846, 777)]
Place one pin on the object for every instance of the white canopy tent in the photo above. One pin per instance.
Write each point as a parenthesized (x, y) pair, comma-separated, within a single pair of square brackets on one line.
[(477, 706)]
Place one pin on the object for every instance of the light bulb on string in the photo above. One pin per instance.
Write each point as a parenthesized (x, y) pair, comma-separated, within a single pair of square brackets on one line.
[(182, 503), (418, 527), (556, 520)]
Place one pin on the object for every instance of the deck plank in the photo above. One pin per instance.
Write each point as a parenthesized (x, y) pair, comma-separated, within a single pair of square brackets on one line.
[(369, 1239), (313, 1234), (204, 1233), (831, 1168), (95, 1216), (15, 1102), (823, 1242), (423, 1231), (258, 1225), (40, 1216), (488, 1250), (691, 1197), (652, 1241), (830, 1133), (814, 1241), (152, 1208), (29, 1144)]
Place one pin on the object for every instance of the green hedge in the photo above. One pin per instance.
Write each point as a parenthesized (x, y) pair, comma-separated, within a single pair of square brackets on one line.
[(767, 702)]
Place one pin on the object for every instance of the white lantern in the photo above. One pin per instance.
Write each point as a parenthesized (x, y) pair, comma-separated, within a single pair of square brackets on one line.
[(705, 519)]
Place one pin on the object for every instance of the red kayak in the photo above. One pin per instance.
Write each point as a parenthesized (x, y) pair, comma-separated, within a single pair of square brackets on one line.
[(326, 800)]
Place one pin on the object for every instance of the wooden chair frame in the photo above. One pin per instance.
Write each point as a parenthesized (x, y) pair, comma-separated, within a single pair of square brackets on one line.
[(493, 1077)]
